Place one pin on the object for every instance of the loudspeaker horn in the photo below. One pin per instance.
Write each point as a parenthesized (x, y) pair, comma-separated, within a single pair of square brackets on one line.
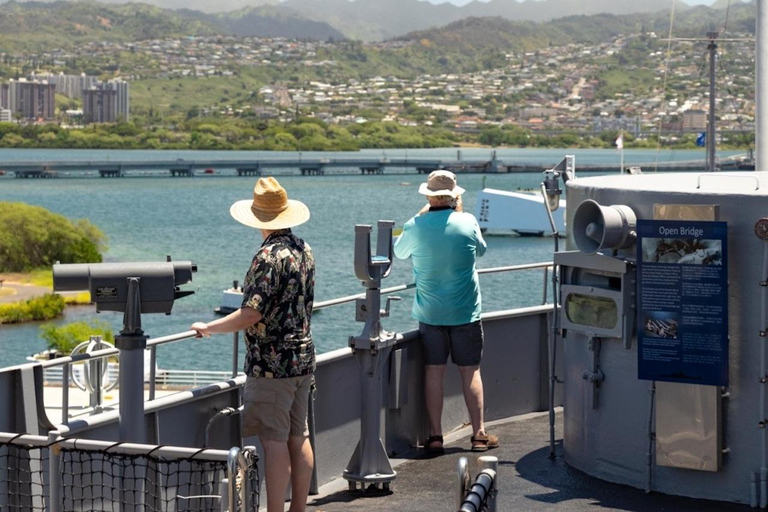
[(597, 228)]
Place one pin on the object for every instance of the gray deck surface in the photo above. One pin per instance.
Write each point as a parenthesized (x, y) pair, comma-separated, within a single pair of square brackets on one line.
[(528, 481)]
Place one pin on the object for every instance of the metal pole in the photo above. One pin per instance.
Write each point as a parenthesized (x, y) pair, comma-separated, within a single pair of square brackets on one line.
[(761, 82), (65, 394), (54, 472), (313, 486), (152, 371), (711, 124), (235, 348), (131, 342), (232, 465), (463, 482)]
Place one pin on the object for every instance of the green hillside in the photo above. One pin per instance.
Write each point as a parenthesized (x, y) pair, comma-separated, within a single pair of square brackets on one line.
[(35, 25)]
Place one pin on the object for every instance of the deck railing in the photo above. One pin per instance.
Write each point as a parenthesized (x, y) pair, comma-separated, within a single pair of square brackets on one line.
[(58, 370)]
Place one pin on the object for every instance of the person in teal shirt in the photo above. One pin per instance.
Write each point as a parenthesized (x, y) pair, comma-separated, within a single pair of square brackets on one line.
[(443, 243)]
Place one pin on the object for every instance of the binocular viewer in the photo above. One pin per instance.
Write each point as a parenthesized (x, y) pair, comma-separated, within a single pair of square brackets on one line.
[(108, 283)]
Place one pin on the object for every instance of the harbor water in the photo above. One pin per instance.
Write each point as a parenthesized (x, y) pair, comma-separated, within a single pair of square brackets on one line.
[(147, 217)]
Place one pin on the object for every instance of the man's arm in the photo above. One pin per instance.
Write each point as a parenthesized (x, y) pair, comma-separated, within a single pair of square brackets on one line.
[(481, 245), (403, 244), (237, 321)]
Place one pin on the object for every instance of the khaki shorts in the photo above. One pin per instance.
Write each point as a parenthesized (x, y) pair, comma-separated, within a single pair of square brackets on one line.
[(276, 408)]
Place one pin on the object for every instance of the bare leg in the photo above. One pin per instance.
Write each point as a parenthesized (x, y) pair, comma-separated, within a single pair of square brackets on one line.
[(302, 463), (472, 386), (277, 471), (433, 393)]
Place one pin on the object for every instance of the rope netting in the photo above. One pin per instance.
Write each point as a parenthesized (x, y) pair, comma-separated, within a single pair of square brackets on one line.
[(103, 480), (23, 477)]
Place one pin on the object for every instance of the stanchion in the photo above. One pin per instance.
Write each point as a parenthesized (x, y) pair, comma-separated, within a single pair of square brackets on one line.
[(370, 464)]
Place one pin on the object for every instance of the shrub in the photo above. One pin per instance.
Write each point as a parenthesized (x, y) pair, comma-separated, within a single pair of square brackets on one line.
[(66, 337), (40, 308), (33, 237)]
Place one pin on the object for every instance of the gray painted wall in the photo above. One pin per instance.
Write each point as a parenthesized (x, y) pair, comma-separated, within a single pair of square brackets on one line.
[(611, 442)]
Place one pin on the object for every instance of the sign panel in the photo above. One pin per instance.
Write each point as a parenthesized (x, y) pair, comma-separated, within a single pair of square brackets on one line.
[(682, 322)]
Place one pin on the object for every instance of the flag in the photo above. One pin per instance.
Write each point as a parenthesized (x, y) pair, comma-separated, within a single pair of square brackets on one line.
[(620, 141), (701, 140)]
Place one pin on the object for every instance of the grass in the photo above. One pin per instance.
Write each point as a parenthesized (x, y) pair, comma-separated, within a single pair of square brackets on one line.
[(37, 277), (81, 299), (183, 94)]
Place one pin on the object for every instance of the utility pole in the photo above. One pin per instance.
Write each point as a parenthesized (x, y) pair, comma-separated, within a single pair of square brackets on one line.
[(711, 144), (713, 39)]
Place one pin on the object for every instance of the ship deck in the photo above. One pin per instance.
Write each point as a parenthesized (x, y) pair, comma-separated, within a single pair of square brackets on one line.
[(527, 479)]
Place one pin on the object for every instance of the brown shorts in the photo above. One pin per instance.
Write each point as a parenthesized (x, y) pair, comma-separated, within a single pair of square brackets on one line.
[(276, 408)]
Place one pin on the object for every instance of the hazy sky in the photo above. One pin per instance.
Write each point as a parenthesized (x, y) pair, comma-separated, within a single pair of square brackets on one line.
[(464, 2)]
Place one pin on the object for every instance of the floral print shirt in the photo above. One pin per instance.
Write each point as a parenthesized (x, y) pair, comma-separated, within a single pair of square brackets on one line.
[(281, 286)]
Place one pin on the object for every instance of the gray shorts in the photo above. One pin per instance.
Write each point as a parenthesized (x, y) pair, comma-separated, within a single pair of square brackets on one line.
[(464, 343)]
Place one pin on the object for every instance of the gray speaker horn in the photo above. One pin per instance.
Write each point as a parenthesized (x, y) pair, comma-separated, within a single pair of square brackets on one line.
[(597, 228)]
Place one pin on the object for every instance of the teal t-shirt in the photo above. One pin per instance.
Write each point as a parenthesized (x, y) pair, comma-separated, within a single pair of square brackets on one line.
[(443, 245)]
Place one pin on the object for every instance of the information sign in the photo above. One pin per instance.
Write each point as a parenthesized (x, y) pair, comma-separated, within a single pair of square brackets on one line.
[(682, 308)]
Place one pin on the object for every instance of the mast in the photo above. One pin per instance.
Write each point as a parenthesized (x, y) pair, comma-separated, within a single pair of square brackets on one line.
[(761, 82), (711, 145)]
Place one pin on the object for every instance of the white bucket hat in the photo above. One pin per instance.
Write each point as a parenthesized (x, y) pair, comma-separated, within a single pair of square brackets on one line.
[(441, 183), (270, 208)]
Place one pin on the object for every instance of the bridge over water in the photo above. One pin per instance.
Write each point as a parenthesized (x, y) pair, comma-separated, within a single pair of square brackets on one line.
[(305, 166)]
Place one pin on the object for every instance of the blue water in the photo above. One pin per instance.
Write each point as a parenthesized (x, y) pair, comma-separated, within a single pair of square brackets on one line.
[(146, 218)]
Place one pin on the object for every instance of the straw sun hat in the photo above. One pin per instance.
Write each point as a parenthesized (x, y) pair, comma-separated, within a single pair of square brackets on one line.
[(270, 208), (441, 183)]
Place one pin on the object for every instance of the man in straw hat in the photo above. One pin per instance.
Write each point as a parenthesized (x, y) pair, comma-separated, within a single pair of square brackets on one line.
[(280, 361), (444, 242)]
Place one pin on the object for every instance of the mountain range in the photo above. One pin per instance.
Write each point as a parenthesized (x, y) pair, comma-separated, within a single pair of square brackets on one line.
[(375, 20), (33, 25)]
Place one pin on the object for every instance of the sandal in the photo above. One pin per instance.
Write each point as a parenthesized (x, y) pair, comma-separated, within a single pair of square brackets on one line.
[(437, 450), (484, 442)]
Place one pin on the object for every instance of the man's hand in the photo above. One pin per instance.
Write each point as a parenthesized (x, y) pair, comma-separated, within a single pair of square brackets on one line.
[(201, 328), (236, 321)]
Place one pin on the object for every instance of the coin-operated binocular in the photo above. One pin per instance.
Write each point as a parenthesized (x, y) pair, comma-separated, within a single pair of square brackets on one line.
[(109, 283), (370, 464), (133, 289)]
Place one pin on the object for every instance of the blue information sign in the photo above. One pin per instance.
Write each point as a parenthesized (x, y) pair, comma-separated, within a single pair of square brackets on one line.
[(682, 306)]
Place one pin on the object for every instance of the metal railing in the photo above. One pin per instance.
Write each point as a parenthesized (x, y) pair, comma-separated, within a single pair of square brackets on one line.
[(193, 378), (545, 266)]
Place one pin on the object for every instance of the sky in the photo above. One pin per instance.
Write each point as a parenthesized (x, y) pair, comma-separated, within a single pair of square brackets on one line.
[(464, 2)]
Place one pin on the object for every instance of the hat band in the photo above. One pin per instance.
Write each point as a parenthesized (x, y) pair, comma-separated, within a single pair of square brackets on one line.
[(268, 209)]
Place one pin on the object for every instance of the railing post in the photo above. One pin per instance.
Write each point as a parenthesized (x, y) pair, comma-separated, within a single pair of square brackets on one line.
[(232, 470), (224, 493), (131, 342), (313, 487), (235, 348), (54, 472), (152, 371), (65, 394), (463, 482)]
